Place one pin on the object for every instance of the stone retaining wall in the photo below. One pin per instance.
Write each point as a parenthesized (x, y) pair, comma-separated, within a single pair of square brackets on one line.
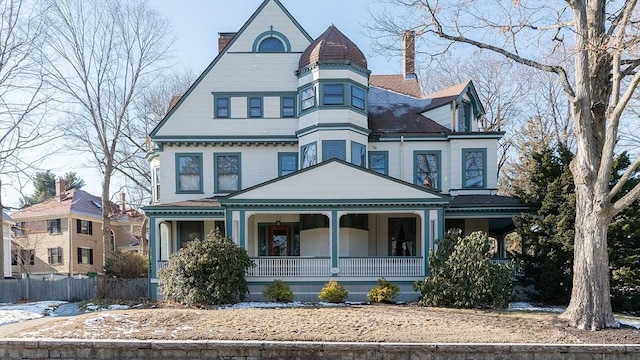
[(254, 350)]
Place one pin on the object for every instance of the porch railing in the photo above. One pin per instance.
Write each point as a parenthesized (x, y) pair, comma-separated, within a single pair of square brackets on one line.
[(161, 265), (290, 267), (381, 266)]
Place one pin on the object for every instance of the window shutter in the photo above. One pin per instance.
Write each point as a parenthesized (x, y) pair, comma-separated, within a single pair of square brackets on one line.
[(90, 225), (78, 226), (79, 255), (50, 226), (90, 255)]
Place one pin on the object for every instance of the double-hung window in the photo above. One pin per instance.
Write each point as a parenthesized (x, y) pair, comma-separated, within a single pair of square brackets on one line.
[(288, 106), (357, 97), (287, 163), (255, 107), (358, 154), (227, 172), (84, 227), (474, 173), (85, 256), (222, 107), (309, 154), (333, 94), (155, 178), (55, 255), (189, 173), (308, 98), (53, 226), (427, 169), (379, 162), (333, 149)]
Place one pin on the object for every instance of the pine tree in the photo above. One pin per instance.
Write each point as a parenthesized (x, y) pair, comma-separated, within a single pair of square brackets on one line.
[(45, 186)]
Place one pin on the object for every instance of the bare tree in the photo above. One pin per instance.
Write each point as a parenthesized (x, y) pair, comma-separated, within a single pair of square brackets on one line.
[(100, 54), (600, 38)]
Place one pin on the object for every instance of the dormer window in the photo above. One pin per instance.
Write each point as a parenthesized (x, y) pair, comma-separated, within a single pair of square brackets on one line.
[(465, 115)]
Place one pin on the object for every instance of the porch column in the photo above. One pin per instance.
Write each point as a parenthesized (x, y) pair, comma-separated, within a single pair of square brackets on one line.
[(151, 287), (426, 240), (334, 227)]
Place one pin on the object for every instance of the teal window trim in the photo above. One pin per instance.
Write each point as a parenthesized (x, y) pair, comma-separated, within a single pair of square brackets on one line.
[(285, 160), (178, 171), (288, 106), (465, 114), (254, 107), (339, 145), (470, 172), (332, 94), (271, 34), (418, 177), (222, 107), (308, 155), (358, 154), (308, 97), (374, 164), (358, 98), (218, 187)]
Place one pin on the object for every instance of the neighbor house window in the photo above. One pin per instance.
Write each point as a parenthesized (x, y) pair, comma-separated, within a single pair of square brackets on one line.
[(379, 162), (227, 172), (222, 107), (54, 256), (358, 154), (287, 163), (23, 257), (288, 106), (308, 98), (427, 169), (475, 166), (333, 149), (53, 226), (309, 155), (85, 256), (19, 228), (255, 107), (189, 173), (333, 94), (357, 97), (84, 227)]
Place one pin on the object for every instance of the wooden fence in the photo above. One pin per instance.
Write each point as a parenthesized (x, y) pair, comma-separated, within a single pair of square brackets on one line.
[(70, 289)]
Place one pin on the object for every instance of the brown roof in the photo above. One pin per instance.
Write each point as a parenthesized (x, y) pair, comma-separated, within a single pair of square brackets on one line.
[(445, 96), (398, 83), (74, 201), (332, 47)]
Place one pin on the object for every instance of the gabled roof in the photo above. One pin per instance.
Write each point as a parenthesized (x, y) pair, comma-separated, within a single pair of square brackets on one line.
[(74, 202), (338, 183), (398, 83), (223, 52), (394, 113), (455, 93)]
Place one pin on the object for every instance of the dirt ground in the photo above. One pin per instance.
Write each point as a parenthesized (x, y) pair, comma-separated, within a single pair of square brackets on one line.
[(361, 323)]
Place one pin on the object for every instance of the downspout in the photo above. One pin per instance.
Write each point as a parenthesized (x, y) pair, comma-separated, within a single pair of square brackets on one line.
[(402, 157)]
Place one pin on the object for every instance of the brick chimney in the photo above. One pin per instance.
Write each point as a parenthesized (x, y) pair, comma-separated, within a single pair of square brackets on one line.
[(223, 40), (409, 54), (123, 206), (60, 189)]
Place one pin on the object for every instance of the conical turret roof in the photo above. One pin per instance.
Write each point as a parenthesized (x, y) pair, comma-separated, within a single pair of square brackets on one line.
[(333, 47)]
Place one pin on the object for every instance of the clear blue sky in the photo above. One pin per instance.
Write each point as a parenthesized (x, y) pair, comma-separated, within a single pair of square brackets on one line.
[(196, 24)]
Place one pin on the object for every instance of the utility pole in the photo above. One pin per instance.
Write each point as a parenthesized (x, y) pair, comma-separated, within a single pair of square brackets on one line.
[(2, 274)]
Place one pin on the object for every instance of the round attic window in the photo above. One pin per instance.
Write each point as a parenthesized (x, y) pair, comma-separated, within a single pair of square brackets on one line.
[(271, 44)]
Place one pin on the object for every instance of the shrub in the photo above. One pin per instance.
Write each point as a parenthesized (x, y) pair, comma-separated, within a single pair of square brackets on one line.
[(462, 274), (333, 292), (209, 271), (384, 291), (279, 291), (126, 265)]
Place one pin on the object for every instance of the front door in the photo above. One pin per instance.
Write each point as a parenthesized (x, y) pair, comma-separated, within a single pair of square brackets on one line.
[(279, 240)]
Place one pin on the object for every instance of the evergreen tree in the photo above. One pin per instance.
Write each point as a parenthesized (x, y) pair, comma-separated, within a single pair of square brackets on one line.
[(547, 234), (45, 186)]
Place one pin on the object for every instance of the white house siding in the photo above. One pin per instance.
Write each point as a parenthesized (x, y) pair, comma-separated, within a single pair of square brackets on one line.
[(327, 75), (244, 72), (457, 145), (314, 242), (259, 163), (353, 242), (443, 115)]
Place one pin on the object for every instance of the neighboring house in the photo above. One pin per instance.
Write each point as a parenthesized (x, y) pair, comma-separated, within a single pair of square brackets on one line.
[(63, 235), (288, 145), (7, 223)]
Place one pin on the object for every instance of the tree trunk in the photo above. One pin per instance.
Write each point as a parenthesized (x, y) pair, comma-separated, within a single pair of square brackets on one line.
[(106, 224), (590, 305)]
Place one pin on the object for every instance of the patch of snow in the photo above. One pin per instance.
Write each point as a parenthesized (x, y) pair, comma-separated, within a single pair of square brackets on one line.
[(118, 307), (95, 321), (628, 320), (524, 306), (11, 313)]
